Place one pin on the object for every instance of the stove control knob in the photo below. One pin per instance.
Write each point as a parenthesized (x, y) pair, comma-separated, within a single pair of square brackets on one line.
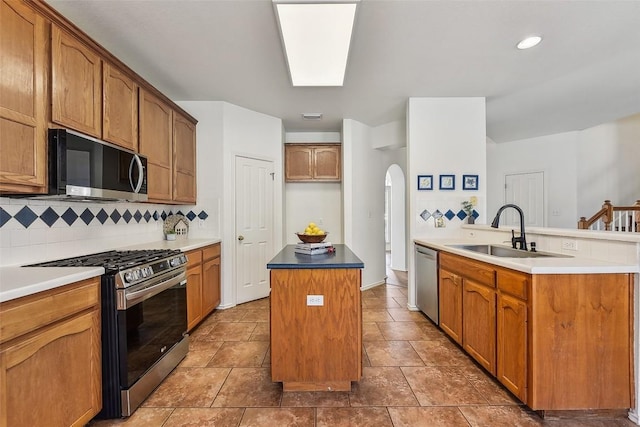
[(174, 262), (144, 272), (136, 274), (149, 271), (128, 277)]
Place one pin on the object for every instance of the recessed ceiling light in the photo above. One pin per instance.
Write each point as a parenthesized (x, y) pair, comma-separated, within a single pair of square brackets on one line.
[(316, 36), (529, 42), (312, 116)]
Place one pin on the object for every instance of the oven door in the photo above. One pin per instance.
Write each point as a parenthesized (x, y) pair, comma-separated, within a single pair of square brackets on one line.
[(152, 318)]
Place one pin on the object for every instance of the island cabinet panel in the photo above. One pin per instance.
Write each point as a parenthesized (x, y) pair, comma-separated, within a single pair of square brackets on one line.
[(479, 323), (23, 98), (50, 357), (451, 304), (512, 345), (76, 84), (581, 344), (316, 347)]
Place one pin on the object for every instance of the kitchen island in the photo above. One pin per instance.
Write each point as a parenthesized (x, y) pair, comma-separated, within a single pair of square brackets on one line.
[(316, 320)]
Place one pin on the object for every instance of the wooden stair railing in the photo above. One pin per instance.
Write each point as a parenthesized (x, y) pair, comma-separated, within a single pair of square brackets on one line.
[(618, 218)]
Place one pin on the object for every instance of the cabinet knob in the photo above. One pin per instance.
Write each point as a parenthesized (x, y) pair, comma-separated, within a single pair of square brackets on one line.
[(241, 237)]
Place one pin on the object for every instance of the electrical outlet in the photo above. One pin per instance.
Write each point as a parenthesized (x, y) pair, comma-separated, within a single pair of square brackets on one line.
[(569, 245), (315, 300)]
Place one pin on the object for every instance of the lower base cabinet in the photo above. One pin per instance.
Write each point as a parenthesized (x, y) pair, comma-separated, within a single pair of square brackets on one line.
[(203, 283), (50, 357)]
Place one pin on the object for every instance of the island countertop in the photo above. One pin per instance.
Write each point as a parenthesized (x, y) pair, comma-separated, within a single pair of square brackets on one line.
[(343, 257)]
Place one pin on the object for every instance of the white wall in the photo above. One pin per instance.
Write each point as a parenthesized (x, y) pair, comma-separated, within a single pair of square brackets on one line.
[(363, 200), (444, 136)]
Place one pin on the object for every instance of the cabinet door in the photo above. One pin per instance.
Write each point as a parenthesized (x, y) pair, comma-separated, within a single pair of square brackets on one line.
[(53, 377), (298, 162), (479, 323), (512, 345), (156, 134), (451, 305), (210, 285), (184, 154), (76, 84), (23, 100), (194, 296), (327, 163), (120, 108)]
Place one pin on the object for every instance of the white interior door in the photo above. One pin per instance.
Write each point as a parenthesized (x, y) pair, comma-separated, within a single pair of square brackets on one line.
[(254, 227), (527, 191)]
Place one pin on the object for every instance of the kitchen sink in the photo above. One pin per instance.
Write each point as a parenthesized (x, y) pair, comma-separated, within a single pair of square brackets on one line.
[(506, 252)]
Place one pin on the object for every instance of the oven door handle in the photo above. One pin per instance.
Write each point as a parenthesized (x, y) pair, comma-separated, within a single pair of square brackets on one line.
[(136, 297)]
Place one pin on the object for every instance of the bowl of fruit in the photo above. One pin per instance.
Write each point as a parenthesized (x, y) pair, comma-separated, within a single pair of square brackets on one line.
[(312, 234)]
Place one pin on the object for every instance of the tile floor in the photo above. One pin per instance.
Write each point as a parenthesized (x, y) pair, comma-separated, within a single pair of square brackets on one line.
[(413, 376)]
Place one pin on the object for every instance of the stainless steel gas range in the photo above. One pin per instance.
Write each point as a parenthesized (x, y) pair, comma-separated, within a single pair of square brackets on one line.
[(144, 322)]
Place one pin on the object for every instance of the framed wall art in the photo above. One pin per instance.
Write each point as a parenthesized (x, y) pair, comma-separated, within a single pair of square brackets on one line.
[(447, 182), (425, 182), (469, 182)]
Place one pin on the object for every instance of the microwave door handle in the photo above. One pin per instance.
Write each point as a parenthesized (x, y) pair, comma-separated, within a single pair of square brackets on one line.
[(136, 188)]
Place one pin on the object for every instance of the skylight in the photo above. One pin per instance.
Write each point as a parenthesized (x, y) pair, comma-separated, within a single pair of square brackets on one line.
[(316, 38)]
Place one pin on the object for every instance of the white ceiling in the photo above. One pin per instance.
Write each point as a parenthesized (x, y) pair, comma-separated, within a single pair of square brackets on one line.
[(585, 72)]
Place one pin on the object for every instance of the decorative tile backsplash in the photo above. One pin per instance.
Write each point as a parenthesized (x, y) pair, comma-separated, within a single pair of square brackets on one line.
[(69, 215), (449, 214)]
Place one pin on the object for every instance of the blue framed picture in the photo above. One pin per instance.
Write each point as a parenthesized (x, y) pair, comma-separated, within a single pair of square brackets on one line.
[(447, 182), (425, 182), (469, 182)]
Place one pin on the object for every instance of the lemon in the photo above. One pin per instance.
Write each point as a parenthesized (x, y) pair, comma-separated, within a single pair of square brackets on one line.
[(311, 225), (320, 232)]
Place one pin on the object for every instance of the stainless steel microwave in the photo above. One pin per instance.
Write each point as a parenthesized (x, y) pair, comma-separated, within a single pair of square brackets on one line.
[(82, 167)]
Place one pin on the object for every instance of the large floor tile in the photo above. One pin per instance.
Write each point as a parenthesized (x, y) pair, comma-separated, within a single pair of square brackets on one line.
[(290, 417), (428, 417), (260, 315), (239, 354), (218, 417), (441, 353), (229, 331), (376, 315), (316, 398), (371, 332), (380, 302), (261, 332), (249, 387), (200, 353), (404, 315), (392, 353), (402, 331), (442, 386), (382, 387), (142, 417), (347, 417), (504, 415), (188, 387)]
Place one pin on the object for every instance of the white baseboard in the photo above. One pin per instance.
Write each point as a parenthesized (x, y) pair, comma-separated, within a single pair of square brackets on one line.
[(372, 285), (633, 416)]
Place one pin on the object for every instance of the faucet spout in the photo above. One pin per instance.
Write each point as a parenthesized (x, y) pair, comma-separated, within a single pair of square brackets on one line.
[(522, 239)]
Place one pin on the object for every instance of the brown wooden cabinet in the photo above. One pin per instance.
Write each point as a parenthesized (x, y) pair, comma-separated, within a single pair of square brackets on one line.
[(450, 302), (50, 357), (184, 155), (313, 162), (23, 98), (557, 341), (76, 84), (120, 108), (203, 283)]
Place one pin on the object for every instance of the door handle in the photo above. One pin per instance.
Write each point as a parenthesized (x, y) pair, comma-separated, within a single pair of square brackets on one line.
[(241, 237)]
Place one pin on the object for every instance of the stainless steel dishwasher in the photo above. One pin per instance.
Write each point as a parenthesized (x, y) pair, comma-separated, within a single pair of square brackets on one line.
[(427, 282)]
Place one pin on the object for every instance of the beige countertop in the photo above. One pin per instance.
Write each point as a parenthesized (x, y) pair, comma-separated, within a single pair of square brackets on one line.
[(16, 282), (542, 265)]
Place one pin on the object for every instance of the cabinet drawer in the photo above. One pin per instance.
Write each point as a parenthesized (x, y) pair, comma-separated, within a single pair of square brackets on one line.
[(479, 272), (211, 251), (194, 258), (29, 313), (513, 283)]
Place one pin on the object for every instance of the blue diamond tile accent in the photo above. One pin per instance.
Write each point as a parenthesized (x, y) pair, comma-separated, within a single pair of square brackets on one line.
[(102, 216), (4, 217), (461, 214), (25, 216), (425, 215), (163, 215), (191, 215), (475, 214), (137, 216), (115, 216), (49, 216), (437, 214), (203, 215), (87, 216), (449, 215), (69, 216), (155, 215), (179, 213), (147, 216), (127, 216)]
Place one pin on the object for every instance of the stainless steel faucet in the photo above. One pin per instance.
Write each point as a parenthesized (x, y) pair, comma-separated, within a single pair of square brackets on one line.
[(522, 240)]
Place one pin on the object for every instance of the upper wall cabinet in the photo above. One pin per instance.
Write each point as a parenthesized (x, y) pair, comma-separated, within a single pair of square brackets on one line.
[(312, 162), (76, 84), (119, 107), (23, 101), (184, 155)]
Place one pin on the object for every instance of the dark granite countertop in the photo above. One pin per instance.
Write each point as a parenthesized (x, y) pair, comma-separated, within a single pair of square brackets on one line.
[(341, 258)]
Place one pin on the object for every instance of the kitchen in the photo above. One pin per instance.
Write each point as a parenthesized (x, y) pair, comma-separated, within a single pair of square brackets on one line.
[(233, 129)]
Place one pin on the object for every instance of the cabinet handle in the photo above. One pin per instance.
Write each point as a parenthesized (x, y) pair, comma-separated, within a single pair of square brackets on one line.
[(241, 237)]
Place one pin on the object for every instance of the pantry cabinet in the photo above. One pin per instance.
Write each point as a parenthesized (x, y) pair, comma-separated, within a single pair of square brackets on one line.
[(203, 283), (23, 98), (50, 357), (76, 84), (313, 162)]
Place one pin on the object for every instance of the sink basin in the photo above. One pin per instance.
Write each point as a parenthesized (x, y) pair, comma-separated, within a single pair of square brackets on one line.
[(506, 252)]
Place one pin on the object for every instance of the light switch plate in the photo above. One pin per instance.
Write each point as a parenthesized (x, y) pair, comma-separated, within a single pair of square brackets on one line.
[(315, 300)]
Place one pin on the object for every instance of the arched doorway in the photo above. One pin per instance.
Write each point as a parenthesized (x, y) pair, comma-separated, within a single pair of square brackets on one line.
[(395, 218)]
